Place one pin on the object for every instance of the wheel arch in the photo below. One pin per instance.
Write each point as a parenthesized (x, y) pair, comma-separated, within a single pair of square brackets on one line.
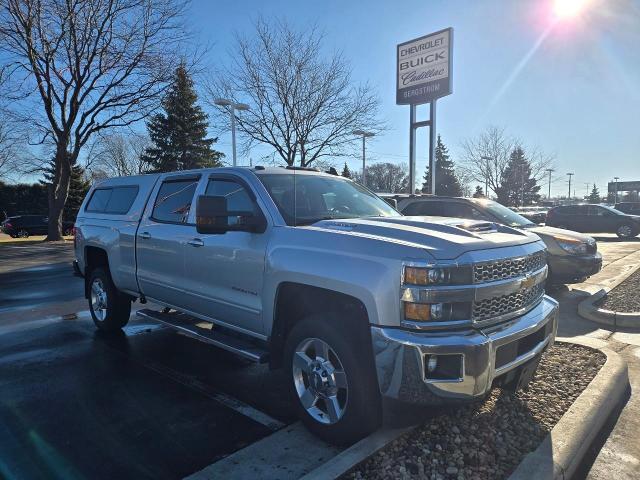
[(296, 301), (94, 257)]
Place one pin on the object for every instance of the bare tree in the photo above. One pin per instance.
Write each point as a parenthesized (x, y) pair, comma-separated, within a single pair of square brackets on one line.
[(302, 104), (385, 177), (485, 158), (119, 154), (90, 65)]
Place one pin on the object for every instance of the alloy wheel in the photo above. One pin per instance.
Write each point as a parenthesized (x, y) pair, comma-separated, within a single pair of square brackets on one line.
[(99, 299), (320, 381), (23, 234), (624, 231)]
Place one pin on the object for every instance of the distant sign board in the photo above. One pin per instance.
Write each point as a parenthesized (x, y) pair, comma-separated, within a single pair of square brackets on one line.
[(423, 70), (625, 186)]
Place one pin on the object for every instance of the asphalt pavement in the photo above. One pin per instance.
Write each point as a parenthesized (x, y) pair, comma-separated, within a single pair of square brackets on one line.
[(148, 403)]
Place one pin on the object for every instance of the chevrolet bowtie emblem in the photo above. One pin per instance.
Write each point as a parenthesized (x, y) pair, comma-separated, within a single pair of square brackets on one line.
[(528, 281)]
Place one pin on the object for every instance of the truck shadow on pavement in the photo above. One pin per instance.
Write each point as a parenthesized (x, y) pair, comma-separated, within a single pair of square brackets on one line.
[(79, 404)]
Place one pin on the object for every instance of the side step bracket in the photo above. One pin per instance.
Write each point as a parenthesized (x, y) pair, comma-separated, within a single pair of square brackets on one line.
[(208, 333)]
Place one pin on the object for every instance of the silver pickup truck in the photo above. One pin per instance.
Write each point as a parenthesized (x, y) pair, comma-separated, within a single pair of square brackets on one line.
[(311, 272)]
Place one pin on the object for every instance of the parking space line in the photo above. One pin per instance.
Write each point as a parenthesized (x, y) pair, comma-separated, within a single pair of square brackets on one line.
[(226, 400)]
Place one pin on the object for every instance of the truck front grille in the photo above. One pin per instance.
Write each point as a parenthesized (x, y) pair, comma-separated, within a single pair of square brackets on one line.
[(508, 268), (498, 306)]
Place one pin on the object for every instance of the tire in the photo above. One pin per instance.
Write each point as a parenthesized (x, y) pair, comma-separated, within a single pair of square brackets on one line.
[(110, 309), (626, 230), (68, 232), (345, 380), (22, 233)]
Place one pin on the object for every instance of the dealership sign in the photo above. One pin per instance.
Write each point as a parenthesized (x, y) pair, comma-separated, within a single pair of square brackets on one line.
[(423, 71), (624, 186)]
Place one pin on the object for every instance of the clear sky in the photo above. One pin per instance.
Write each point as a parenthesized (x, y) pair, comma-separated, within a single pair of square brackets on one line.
[(577, 96)]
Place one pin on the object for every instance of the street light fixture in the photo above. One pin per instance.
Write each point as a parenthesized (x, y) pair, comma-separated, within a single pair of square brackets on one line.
[(364, 135), (232, 106)]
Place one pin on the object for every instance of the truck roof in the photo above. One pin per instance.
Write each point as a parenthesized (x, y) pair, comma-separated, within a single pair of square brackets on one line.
[(258, 170)]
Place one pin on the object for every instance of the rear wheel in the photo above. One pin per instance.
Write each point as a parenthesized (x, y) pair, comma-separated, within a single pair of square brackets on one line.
[(332, 381), (626, 231), (22, 233), (110, 309)]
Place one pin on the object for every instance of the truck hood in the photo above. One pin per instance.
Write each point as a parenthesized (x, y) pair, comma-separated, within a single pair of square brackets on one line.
[(444, 238)]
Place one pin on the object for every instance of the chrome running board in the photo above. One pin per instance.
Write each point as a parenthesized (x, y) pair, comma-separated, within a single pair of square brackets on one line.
[(208, 333)]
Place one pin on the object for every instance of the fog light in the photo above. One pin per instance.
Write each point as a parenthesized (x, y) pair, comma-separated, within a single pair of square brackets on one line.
[(432, 363), (446, 367)]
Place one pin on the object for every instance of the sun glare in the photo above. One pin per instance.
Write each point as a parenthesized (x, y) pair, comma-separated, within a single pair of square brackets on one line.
[(565, 9)]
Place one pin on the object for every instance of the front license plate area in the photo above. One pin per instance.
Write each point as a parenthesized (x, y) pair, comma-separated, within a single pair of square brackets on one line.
[(520, 377)]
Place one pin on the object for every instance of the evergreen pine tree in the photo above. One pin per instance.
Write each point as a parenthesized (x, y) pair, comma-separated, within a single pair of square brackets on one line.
[(479, 193), (345, 171), (594, 196), (517, 178), (179, 135), (78, 188), (446, 181)]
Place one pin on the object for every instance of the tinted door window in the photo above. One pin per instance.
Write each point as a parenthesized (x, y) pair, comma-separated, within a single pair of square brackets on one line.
[(424, 208), (238, 199), (174, 200)]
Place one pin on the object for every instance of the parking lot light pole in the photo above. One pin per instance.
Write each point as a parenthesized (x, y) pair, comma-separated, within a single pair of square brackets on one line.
[(364, 135), (232, 107), (616, 197), (570, 175)]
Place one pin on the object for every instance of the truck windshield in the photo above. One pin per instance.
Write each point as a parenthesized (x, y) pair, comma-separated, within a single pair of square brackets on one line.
[(306, 199), (505, 215)]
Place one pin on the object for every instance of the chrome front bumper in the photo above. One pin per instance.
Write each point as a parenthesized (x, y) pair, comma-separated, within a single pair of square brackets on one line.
[(400, 356)]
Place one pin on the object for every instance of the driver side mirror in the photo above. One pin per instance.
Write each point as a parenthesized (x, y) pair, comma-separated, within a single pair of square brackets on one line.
[(214, 217)]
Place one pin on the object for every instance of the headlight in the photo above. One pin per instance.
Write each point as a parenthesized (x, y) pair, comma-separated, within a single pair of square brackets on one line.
[(575, 247), (426, 276)]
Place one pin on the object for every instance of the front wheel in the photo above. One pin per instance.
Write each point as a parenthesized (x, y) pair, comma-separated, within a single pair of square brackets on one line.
[(23, 233), (626, 231), (332, 379), (110, 309)]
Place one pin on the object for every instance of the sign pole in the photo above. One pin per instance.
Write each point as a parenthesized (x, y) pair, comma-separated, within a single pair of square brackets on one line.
[(412, 148), (432, 146)]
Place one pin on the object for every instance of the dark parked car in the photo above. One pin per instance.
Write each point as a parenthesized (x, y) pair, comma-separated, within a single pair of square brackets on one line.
[(631, 208), (535, 214), (594, 219), (22, 226), (572, 257)]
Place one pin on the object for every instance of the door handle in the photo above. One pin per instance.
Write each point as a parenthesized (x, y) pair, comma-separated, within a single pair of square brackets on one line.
[(196, 242), (144, 235)]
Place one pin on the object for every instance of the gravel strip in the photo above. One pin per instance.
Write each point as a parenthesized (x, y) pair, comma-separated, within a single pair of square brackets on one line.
[(489, 439), (624, 298)]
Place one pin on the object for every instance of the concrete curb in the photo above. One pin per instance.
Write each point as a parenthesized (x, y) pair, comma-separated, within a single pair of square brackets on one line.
[(588, 310), (562, 451), (355, 454)]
